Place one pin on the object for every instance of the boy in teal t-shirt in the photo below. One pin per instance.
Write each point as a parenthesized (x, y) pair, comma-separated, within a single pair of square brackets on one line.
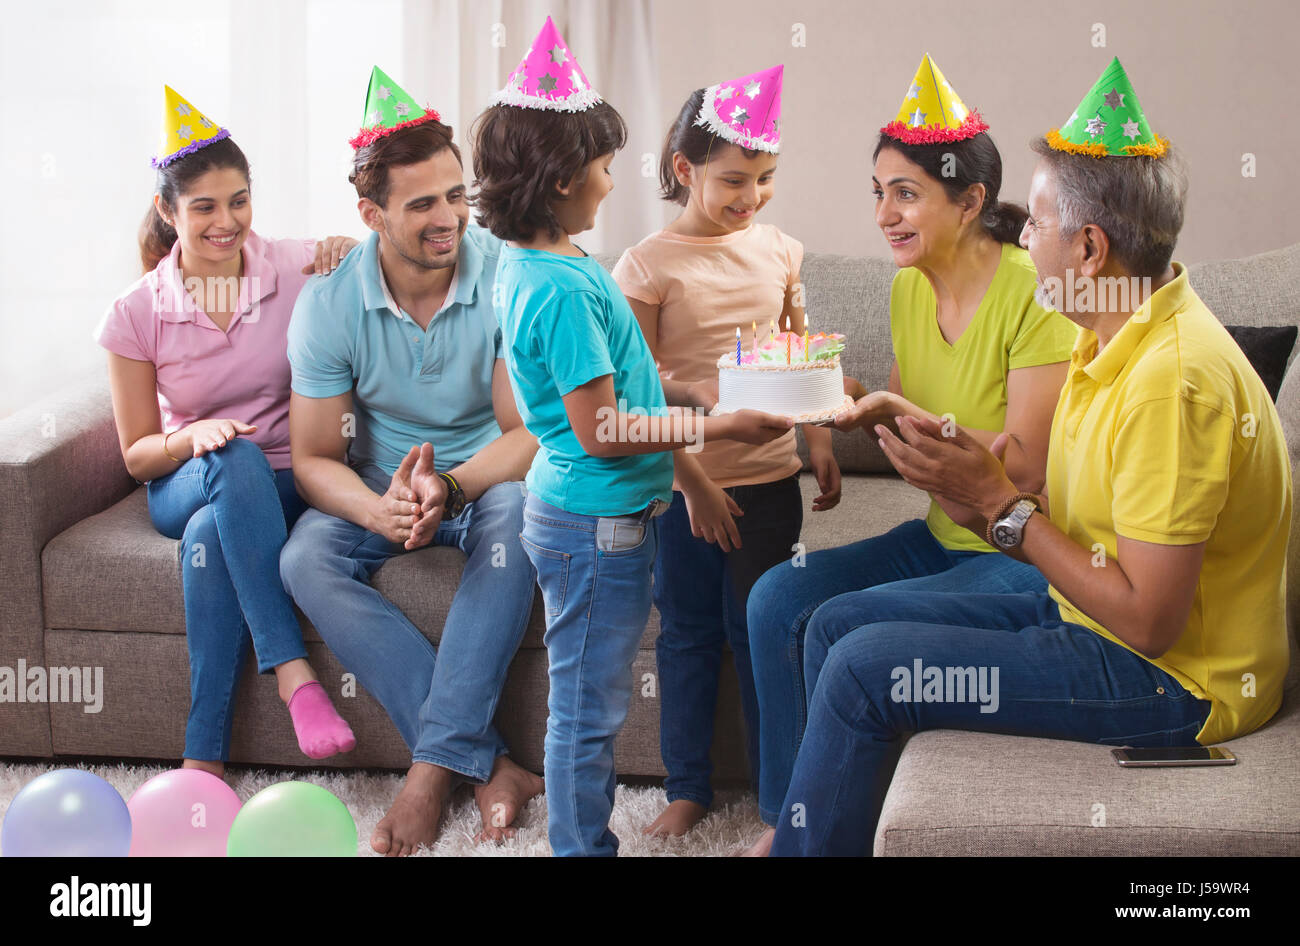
[(588, 389), (564, 322)]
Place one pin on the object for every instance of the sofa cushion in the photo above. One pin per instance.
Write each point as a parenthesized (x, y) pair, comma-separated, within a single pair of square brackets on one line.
[(113, 570), (960, 793), (1267, 348)]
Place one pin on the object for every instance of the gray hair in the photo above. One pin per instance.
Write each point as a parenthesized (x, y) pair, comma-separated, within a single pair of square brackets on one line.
[(1138, 201)]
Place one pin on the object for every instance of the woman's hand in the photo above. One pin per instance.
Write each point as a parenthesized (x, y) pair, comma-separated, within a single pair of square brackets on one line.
[(711, 511), (329, 252), (827, 472), (878, 407), (213, 434)]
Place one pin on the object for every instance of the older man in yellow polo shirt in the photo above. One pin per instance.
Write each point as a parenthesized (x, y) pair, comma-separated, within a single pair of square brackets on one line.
[(1162, 533)]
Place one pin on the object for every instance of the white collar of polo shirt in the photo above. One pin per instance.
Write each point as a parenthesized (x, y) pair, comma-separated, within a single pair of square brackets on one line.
[(397, 311)]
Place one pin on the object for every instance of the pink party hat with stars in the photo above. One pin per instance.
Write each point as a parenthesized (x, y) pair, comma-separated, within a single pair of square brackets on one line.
[(746, 111), (549, 77)]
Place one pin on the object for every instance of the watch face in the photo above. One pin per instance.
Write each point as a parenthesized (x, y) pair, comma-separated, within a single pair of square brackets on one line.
[(1004, 536)]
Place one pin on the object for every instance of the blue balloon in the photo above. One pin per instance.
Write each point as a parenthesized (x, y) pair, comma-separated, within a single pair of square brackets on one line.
[(66, 813)]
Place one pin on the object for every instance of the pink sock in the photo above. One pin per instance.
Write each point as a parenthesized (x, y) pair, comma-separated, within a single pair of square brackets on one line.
[(321, 731)]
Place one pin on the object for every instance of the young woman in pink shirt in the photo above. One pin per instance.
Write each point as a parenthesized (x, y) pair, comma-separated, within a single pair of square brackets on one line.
[(200, 387)]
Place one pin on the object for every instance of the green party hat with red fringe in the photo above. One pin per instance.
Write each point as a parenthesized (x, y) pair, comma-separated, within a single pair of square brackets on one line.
[(1109, 122), (388, 109)]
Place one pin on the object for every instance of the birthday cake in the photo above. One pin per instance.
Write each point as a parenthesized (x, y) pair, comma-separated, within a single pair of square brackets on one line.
[(780, 377)]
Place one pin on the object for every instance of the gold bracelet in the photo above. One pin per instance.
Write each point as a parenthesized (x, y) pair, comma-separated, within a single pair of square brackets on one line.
[(166, 452)]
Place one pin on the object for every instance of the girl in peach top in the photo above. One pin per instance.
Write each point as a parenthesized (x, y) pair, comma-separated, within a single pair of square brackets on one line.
[(737, 509)]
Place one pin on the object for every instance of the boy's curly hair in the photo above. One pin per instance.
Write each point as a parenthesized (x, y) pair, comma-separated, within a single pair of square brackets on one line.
[(521, 155)]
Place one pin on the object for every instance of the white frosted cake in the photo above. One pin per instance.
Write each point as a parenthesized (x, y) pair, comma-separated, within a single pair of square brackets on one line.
[(771, 377)]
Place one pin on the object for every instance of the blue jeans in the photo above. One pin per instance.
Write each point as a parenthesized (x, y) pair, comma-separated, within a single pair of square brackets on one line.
[(442, 701), (907, 557), (700, 592), (232, 513), (594, 573), (1038, 676)]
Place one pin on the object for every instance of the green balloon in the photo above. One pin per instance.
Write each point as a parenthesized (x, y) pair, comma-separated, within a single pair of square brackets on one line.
[(293, 819)]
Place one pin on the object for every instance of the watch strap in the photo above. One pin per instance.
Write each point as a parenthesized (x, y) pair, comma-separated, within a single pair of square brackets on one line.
[(455, 495), (1002, 512)]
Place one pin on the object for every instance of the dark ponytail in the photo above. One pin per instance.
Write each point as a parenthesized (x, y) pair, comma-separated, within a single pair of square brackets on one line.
[(696, 143), (1004, 221), (155, 237), (959, 164)]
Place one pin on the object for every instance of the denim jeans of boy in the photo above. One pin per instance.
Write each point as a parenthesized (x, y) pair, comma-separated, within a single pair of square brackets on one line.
[(700, 592), (442, 700), (986, 663), (595, 575), (231, 512), (906, 558)]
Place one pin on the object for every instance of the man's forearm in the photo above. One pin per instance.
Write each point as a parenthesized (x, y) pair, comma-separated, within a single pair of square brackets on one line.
[(334, 488), (502, 461), (1101, 590)]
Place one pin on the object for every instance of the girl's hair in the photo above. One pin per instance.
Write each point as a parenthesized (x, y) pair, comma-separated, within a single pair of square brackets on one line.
[(156, 238), (959, 164), (696, 143), (522, 154)]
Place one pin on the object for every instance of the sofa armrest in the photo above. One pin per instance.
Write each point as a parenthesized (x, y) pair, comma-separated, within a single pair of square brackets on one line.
[(59, 463)]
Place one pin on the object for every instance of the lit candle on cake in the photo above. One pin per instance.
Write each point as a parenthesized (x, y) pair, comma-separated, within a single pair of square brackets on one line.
[(788, 336), (753, 330)]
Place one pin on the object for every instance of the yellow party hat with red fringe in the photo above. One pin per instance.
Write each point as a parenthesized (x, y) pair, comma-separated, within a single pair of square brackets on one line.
[(184, 129), (932, 112), (1109, 122)]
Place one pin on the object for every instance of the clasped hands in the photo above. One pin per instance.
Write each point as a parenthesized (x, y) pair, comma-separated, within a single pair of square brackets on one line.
[(410, 511), (966, 479)]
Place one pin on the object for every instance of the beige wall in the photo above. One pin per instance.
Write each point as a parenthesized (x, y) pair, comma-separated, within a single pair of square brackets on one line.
[(1218, 79)]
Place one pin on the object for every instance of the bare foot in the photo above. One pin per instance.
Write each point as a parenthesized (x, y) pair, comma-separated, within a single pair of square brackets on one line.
[(413, 819), (215, 768), (763, 846), (502, 798), (678, 818)]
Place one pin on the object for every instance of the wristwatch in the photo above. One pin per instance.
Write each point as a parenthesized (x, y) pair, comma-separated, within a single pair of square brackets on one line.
[(1007, 530), (455, 503)]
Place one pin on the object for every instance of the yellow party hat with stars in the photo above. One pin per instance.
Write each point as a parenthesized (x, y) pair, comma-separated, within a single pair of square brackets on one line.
[(184, 129), (932, 112)]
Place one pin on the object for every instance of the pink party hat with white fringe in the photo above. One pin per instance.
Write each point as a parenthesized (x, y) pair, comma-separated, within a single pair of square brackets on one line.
[(746, 111), (549, 77)]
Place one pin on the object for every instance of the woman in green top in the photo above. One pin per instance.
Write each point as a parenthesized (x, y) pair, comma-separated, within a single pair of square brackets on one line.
[(971, 346)]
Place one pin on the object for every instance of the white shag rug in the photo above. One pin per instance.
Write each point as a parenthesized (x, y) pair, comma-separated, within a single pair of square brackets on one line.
[(731, 826)]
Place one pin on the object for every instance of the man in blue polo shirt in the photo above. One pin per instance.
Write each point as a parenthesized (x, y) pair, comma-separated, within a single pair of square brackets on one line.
[(404, 433)]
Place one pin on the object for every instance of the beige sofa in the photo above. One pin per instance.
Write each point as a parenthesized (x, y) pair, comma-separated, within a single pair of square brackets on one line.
[(85, 581)]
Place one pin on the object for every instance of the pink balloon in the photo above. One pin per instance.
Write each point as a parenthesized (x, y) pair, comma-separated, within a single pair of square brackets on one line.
[(182, 813)]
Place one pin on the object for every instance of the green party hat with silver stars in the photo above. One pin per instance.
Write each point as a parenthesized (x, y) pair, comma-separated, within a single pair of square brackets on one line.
[(1109, 122), (388, 109)]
